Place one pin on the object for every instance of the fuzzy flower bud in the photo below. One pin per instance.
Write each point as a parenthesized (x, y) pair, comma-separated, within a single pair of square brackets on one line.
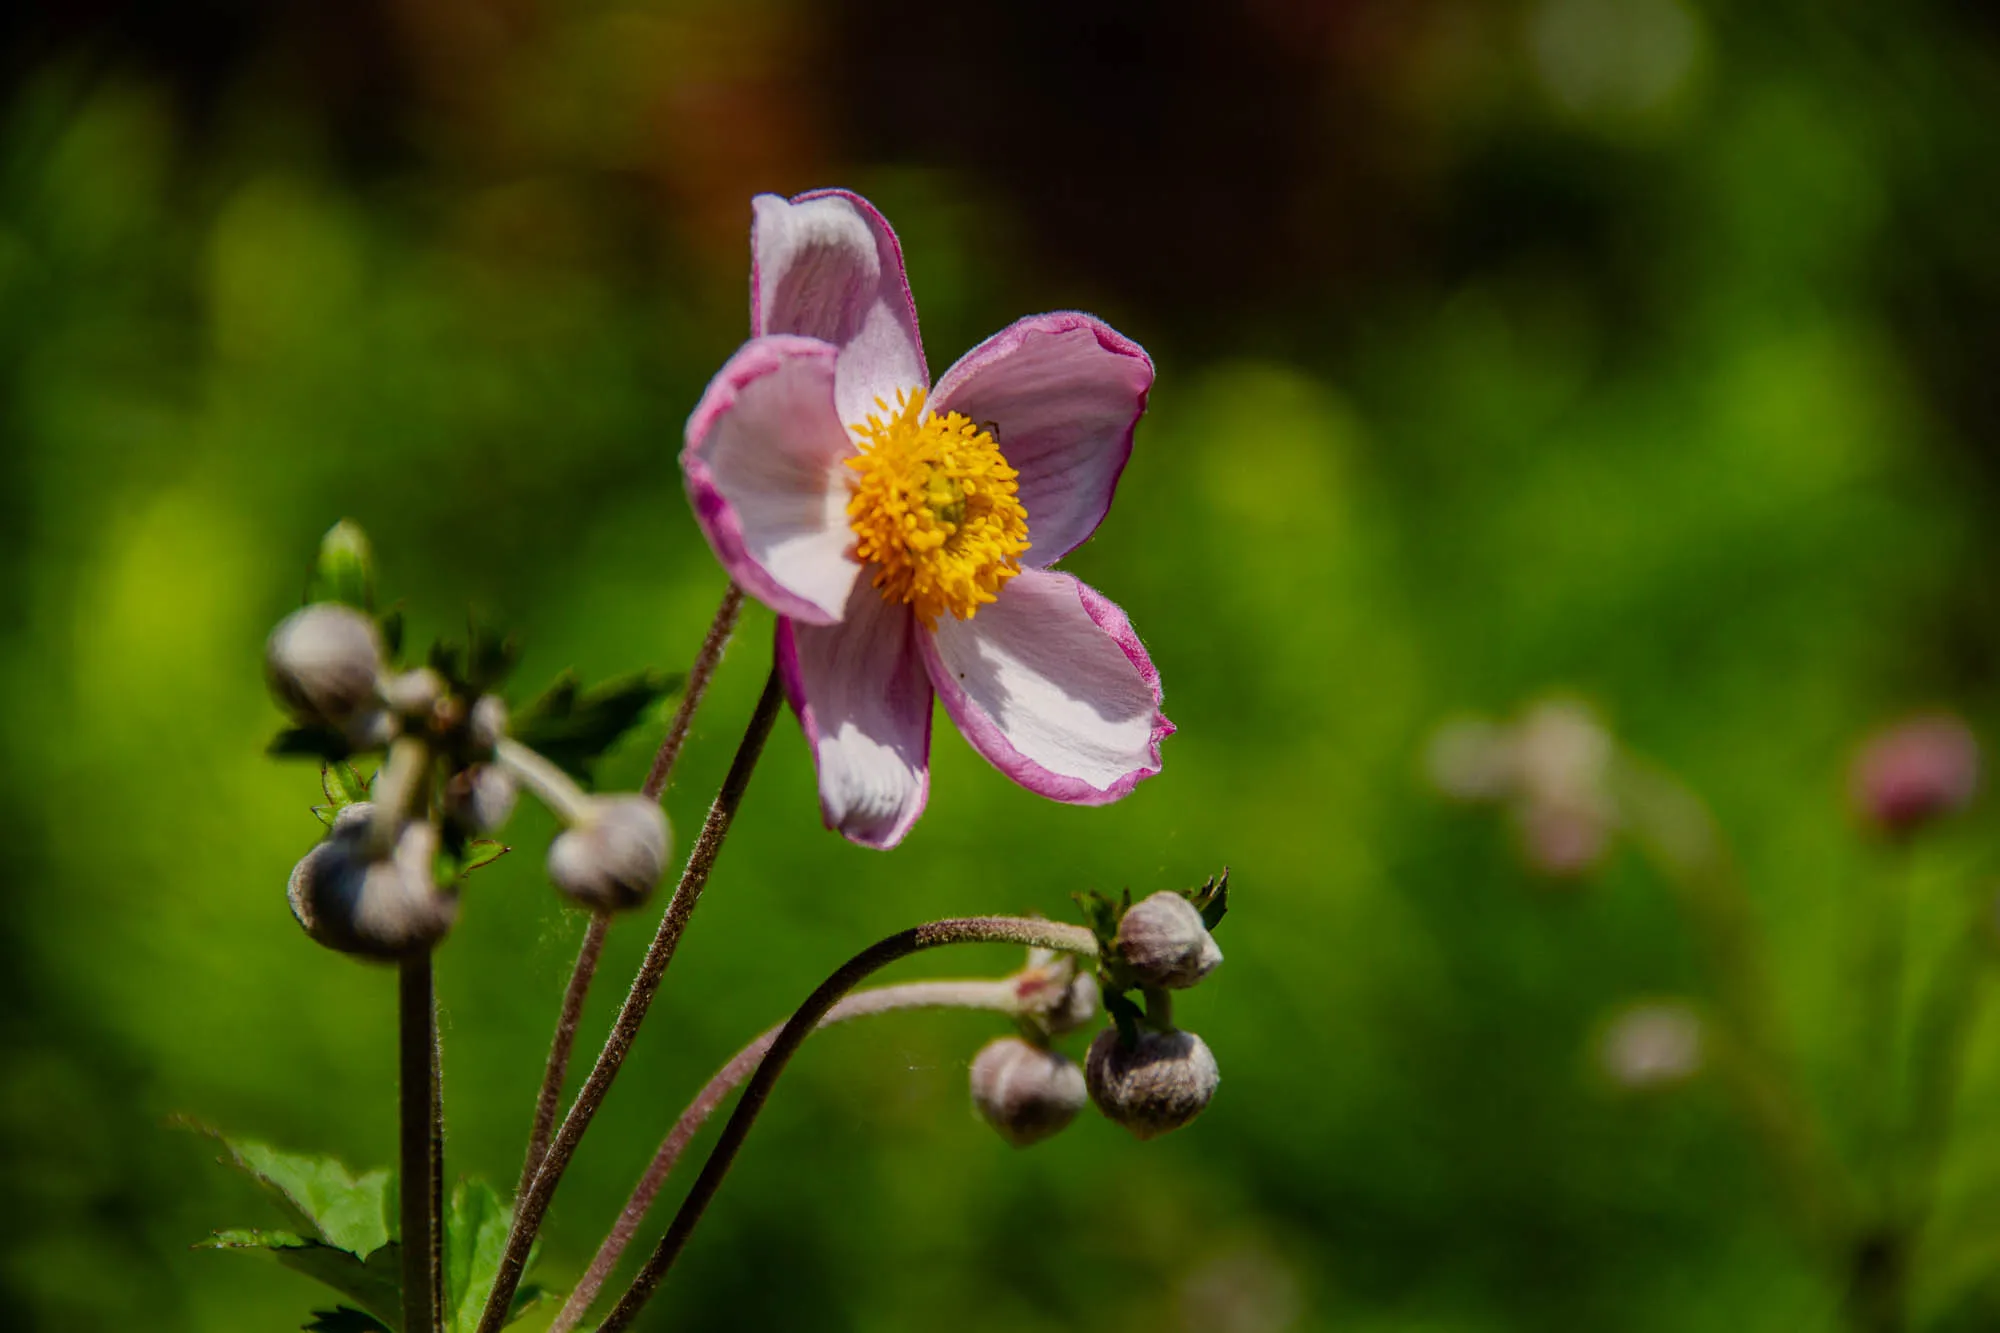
[(323, 661), (613, 856), (480, 799), (1160, 1083), (1916, 772), (488, 722), (349, 898), (1652, 1045), (1025, 1092), (1163, 941), (1055, 993)]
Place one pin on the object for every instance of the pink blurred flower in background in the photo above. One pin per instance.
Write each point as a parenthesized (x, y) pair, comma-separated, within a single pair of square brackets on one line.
[(903, 533)]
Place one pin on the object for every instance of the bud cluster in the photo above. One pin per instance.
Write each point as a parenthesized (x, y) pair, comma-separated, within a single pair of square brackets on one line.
[(384, 883)]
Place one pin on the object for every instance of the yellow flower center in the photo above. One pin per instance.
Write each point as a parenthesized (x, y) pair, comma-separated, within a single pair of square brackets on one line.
[(934, 509)]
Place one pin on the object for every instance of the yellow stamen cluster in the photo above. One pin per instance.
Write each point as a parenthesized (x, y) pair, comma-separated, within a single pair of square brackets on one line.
[(935, 509)]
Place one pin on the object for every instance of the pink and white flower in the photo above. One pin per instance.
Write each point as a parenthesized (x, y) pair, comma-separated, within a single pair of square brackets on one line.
[(904, 532)]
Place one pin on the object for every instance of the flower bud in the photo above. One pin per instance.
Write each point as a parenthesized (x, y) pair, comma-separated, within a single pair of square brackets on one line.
[(322, 662), (351, 899), (1025, 1092), (414, 691), (480, 799), (614, 855), (1163, 941), (1916, 772), (488, 722), (1055, 993), (1653, 1045), (1158, 1084)]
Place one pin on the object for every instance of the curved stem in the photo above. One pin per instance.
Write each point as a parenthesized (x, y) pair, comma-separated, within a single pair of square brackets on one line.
[(549, 1099), (534, 1205), (965, 930), (1002, 996)]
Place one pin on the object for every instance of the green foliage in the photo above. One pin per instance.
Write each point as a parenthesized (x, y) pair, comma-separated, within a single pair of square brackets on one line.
[(375, 1283), (341, 1319), (476, 1227), (479, 665), (325, 744), (573, 727), (346, 1211), (1212, 899)]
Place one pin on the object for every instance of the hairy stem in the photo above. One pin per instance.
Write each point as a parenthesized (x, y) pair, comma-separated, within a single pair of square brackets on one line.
[(1031, 932), (418, 1104), (1001, 996), (534, 1204), (703, 670), (550, 1097)]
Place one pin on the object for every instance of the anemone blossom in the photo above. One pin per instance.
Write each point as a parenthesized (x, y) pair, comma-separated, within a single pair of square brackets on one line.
[(904, 532)]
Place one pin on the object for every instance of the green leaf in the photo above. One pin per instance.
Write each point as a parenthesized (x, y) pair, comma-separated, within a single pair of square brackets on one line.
[(476, 1227), (489, 656), (341, 1319), (1102, 915), (574, 727), (481, 852), (1212, 899), (345, 568), (346, 1211), (392, 634), (321, 743), (374, 1284), (343, 785)]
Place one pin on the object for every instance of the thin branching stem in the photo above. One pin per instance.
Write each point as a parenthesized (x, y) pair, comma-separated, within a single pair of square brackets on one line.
[(1001, 996), (1032, 932), (534, 1204), (549, 1098)]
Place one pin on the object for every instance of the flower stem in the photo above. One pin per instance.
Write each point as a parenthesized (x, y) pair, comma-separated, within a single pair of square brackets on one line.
[(1001, 996), (551, 786), (703, 670), (1034, 933), (550, 1097), (532, 1206), (421, 1159)]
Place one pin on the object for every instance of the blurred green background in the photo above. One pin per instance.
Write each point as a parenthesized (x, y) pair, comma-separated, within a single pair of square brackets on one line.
[(1640, 348)]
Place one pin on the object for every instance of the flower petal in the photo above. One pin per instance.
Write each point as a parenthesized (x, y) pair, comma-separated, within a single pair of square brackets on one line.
[(825, 265), (861, 693), (1063, 392), (1054, 688), (763, 465)]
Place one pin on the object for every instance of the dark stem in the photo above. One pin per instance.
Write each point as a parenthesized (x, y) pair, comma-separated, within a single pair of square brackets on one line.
[(1033, 933), (417, 1098), (999, 996), (550, 1097), (534, 1205), (703, 670)]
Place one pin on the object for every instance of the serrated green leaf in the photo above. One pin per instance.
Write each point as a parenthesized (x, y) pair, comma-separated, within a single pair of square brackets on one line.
[(341, 1319), (481, 852), (1102, 916), (392, 634), (1212, 899), (489, 656), (344, 570), (375, 1284), (321, 743), (574, 727), (476, 1226), (346, 1211), (343, 785)]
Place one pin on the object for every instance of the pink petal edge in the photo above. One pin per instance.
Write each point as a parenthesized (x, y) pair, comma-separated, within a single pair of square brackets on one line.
[(1006, 343), (795, 694), (884, 232), (717, 518), (990, 741)]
